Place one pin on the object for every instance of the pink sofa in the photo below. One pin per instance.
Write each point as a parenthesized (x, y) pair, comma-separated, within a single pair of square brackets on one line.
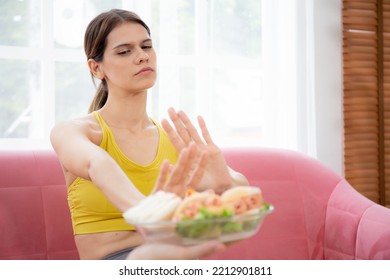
[(318, 215)]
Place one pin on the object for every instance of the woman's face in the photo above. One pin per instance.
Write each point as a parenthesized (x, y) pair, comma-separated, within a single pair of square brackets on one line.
[(129, 61)]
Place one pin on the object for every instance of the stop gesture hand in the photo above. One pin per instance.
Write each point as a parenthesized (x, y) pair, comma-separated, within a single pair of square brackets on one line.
[(218, 175), (185, 174)]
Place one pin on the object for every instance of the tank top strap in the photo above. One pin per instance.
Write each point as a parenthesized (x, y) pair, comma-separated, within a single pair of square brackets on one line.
[(105, 128)]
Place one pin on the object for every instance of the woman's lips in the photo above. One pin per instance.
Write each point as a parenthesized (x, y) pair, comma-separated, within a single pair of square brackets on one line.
[(144, 70)]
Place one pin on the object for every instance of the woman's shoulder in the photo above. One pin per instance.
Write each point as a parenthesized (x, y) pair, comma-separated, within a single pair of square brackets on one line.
[(84, 123), (87, 125)]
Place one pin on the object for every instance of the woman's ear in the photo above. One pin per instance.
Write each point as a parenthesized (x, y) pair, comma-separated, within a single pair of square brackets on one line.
[(95, 69)]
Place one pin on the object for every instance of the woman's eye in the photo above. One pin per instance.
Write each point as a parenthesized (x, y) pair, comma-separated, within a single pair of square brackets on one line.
[(147, 47), (123, 52)]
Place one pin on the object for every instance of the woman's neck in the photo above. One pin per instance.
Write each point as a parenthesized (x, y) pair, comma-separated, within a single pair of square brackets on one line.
[(126, 112)]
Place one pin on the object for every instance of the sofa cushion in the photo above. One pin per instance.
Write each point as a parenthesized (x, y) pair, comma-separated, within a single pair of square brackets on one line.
[(34, 216)]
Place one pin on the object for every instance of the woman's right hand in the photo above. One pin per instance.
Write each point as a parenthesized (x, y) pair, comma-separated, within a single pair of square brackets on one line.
[(185, 174), (165, 251)]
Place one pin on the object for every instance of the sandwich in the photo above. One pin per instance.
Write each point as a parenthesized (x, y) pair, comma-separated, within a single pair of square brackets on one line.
[(198, 205), (243, 199), (157, 207), (235, 201), (207, 215), (200, 215)]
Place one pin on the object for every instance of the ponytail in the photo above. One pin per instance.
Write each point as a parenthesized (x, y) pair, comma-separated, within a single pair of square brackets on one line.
[(100, 97)]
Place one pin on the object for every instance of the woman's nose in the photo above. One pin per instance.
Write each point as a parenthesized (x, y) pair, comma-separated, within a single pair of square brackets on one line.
[(142, 56)]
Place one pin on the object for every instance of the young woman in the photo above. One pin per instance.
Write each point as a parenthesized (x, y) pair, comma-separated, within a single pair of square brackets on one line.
[(116, 155)]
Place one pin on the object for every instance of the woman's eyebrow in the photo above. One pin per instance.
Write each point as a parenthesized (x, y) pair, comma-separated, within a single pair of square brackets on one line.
[(131, 44)]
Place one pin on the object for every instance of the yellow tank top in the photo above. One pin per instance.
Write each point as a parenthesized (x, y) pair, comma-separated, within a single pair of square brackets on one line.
[(91, 212)]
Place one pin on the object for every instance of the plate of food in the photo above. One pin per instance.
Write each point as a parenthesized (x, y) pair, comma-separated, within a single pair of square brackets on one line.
[(201, 216)]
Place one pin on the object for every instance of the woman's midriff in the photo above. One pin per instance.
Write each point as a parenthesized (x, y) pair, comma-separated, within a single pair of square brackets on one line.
[(97, 245)]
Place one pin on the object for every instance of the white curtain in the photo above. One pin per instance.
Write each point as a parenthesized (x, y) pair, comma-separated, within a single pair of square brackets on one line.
[(253, 69)]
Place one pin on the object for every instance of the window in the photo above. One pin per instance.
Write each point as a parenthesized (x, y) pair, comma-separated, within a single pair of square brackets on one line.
[(234, 62)]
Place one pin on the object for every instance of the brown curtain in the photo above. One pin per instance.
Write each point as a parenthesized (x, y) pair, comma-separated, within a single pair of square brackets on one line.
[(366, 74)]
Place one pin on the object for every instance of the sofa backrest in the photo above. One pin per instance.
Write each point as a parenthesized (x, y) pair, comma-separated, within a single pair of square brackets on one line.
[(317, 215), (299, 188), (34, 216)]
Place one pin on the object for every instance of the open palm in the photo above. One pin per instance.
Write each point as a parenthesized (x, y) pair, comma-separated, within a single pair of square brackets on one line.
[(217, 175), (187, 172)]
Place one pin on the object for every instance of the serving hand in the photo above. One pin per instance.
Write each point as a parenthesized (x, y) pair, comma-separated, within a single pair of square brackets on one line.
[(165, 251), (217, 175)]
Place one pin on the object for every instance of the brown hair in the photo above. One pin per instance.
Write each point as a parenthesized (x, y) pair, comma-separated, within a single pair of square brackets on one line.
[(95, 42)]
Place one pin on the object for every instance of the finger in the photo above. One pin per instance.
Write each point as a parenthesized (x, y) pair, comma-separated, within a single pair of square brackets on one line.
[(181, 164), (193, 132), (162, 177), (205, 131), (172, 135), (201, 250), (198, 172), (186, 166), (180, 128), (165, 251), (182, 172), (189, 164)]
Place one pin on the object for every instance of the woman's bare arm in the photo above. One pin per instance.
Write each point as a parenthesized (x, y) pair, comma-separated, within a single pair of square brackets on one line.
[(80, 156), (83, 158)]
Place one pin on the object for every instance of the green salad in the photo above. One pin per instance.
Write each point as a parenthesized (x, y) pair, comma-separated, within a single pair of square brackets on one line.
[(207, 225)]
